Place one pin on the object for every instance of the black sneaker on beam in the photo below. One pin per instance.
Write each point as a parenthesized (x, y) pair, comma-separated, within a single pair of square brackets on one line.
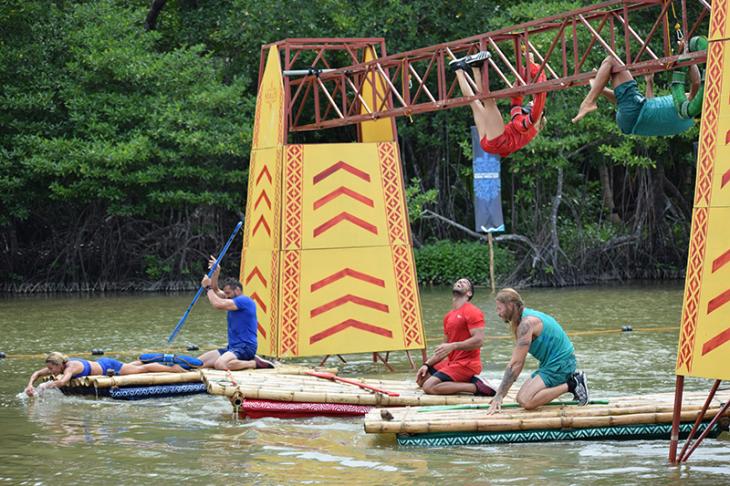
[(472, 60), (581, 388)]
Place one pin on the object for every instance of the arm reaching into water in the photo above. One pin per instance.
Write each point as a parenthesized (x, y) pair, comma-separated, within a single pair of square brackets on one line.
[(517, 362)]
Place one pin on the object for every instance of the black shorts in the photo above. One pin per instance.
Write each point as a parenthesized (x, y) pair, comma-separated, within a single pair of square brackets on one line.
[(244, 352)]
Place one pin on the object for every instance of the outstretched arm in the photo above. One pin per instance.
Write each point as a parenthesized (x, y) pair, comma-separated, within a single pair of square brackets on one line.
[(37, 374), (514, 368)]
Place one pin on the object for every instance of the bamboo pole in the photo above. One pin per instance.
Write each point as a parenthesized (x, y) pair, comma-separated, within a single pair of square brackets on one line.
[(101, 381), (490, 240), (501, 425)]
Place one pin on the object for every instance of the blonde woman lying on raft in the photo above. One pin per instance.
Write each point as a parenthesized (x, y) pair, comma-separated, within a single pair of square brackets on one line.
[(66, 369)]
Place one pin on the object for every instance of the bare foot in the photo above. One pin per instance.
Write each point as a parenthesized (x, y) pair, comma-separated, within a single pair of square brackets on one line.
[(585, 108)]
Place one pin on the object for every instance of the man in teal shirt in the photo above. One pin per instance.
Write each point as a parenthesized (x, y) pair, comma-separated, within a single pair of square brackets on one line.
[(637, 114), (540, 335)]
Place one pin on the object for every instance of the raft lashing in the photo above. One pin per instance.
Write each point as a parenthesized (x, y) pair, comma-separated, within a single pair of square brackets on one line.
[(137, 387), (641, 417), (304, 395), (161, 385)]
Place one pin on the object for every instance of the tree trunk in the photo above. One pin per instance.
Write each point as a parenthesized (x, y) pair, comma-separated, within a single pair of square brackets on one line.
[(607, 191), (150, 23)]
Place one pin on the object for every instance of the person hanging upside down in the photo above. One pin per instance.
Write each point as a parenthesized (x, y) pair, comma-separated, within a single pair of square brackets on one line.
[(496, 136), (636, 114), (456, 364), (66, 369), (541, 336)]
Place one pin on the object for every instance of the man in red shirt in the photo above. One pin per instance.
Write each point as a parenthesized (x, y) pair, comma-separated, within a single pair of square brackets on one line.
[(526, 121), (456, 364)]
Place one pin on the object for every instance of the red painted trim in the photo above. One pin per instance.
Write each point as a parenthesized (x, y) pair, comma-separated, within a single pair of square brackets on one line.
[(720, 261), (344, 300), (717, 341), (265, 170), (255, 272), (344, 216), (363, 326), (346, 272), (255, 297), (259, 222), (340, 166), (718, 301), (265, 198), (261, 330), (725, 179), (343, 191)]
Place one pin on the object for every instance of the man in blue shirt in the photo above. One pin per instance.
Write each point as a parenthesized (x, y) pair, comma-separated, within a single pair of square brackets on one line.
[(240, 354), (637, 114)]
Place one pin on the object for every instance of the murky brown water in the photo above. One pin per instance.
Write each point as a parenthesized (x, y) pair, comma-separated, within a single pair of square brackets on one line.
[(75, 440)]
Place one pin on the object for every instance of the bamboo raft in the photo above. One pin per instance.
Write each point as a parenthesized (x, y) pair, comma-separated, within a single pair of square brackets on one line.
[(136, 387), (159, 385), (288, 396), (631, 417)]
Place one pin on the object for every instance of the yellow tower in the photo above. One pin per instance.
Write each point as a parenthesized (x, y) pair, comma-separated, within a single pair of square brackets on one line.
[(327, 252), (704, 341)]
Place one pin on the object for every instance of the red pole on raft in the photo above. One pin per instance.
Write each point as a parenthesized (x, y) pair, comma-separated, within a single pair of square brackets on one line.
[(712, 423), (674, 438), (699, 419)]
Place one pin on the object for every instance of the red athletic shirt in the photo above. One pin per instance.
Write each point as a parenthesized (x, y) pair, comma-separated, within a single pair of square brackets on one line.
[(521, 129), (457, 326)]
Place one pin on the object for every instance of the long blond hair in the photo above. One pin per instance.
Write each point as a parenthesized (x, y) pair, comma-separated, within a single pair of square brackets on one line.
[(510, 296), (56, 358)]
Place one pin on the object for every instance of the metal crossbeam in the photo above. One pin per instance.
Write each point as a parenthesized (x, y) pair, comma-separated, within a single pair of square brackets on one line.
[(326, 80)]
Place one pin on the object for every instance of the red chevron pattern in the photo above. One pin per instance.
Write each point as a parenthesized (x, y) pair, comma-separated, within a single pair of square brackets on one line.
[(720, 261), (259, 302), (350, 323), (263, 197), (399, 236), (256, 273), (340, 166), (290, 302), (345, 299), (725, 178), (260, 329), (261, 222), (344, 216), (293, 210), (343, 191), (346, 272), (717, 25), (713, 88), (716, 341), (692, 291), (264, 172)]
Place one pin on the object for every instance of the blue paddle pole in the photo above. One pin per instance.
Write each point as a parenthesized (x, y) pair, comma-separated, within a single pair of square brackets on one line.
[(181, 322)]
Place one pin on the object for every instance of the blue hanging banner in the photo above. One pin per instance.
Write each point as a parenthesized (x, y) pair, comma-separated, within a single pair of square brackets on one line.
[(487, 191)]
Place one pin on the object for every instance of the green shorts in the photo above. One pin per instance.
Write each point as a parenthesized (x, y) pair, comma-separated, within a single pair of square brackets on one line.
[(629, 103), (556, 372)]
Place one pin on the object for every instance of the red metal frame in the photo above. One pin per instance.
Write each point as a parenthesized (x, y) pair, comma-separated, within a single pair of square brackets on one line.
[(419, 81)]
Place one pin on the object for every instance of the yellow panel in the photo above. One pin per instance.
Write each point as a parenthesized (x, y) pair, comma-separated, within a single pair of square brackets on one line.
[(704, 341), (268, 128), (260, 279), (720, 20), (341, 195), (350, 300), (382, 130), (706, 320), (263, 203)]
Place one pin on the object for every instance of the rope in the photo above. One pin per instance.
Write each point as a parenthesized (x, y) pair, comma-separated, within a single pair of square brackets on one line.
[(576, 333)]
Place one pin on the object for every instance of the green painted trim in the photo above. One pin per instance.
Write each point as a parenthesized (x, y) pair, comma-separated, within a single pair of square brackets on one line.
[(628, 432)]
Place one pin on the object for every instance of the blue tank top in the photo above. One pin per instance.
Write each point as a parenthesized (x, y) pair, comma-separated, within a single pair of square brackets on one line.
[(659, 118), (242, 323), (552, 345), (87, 367)]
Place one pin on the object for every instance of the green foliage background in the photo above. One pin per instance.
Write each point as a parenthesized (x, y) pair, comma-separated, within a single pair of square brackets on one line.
[(124, 151)]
